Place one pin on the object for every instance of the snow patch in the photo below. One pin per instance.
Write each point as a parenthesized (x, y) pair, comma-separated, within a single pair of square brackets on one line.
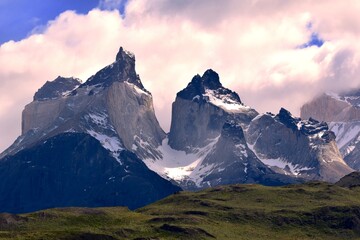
[(110, 143), (179, 165), (225, 102), (345, 132), (136, 88)]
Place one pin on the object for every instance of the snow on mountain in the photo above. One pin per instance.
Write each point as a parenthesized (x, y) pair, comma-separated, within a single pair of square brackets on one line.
[(179, 165), (214, 137), (342, 112), (224, 101), (113, 106), (201, 109), (290, 145)]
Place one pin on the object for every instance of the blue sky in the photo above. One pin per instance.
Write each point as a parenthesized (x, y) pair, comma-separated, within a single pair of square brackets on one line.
[(19, 17)]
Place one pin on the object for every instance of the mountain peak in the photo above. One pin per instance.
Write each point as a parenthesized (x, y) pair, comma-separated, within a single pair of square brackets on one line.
[(211, 80), (56, 88), (209, 83), (122, 70), (124, 55)]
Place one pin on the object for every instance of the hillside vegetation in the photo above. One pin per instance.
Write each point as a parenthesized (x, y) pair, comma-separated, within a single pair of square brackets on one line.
[(307, 211)]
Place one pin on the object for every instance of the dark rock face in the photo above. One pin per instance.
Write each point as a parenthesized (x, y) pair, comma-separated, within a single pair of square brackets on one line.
[(123, 69), (209, 80), (350, 180), (73, 169), (56, 88), (306, 127)]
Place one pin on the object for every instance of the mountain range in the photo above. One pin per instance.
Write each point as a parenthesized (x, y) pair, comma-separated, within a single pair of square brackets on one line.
[(99, 143)]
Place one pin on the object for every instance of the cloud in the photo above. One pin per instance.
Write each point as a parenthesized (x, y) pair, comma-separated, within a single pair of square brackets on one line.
[(253, 45)]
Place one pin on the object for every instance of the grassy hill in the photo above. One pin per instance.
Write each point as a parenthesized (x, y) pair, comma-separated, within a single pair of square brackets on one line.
[(307, 211)]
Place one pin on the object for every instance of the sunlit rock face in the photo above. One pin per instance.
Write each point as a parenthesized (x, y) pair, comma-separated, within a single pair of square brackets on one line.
[(112, 106), (342, 112), (201, 109)]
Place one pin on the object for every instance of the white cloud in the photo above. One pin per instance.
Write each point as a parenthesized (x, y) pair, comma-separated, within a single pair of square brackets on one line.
[(251, 44)]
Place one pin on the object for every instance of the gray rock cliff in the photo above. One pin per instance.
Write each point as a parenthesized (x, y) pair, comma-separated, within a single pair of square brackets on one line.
[(342, 112), (201, 109), (303, 148)]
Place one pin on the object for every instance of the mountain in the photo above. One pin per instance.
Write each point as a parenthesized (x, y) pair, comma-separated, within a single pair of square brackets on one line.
[(81, 144), (201, 109), (98, 143), (206, 145), (73, 169), (342, 112), (302, 148), (112, 106), (216, 139)]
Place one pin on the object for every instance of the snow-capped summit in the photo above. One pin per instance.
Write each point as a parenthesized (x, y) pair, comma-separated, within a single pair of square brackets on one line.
[(207, 88)]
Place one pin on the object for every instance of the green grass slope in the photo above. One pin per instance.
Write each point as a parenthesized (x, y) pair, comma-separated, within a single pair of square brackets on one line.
[(306, 211)]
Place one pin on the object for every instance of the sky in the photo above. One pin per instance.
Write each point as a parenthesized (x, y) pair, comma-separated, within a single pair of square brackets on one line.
[(273, 53)]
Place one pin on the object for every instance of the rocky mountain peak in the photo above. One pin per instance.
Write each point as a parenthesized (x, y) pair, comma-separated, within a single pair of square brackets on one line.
[(306, 127), (124, 55), (287, 119), (211, 80), (122, 70), (56, 88), (207, 87)]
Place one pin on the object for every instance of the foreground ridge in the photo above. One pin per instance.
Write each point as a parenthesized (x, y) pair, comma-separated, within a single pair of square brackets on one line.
[(307, 211)]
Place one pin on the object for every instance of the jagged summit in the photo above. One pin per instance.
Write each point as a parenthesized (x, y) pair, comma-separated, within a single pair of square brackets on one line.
[(201, 109), (124, 55), (56, 88), (306, 127), (209, 82), (122, 70)]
